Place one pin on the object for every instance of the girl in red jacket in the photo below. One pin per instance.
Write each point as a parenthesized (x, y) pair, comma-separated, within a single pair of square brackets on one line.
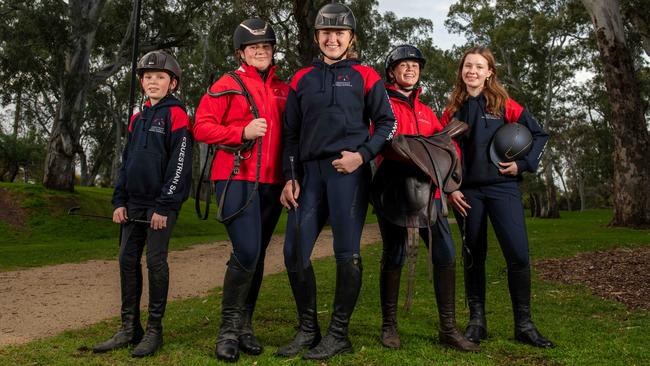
[(398, 182), (224, 118)]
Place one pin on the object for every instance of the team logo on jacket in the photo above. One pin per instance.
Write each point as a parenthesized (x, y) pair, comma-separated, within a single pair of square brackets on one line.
[(490, 116), (342, 80), (158, 125)]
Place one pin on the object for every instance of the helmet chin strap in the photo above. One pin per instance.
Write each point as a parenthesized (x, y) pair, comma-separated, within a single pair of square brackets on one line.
[(338, 58)]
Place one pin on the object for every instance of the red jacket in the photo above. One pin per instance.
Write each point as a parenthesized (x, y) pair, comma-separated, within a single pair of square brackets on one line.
[(413, 118), (221, 120)]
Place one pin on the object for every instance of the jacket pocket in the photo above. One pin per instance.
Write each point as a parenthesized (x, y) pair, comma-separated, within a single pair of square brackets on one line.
[(324, 134), (144, 174)]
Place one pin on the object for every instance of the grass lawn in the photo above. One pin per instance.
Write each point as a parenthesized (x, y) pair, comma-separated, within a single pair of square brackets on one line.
[(588, 330)]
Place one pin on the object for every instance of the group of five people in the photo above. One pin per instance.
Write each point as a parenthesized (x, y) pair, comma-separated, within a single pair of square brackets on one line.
[(307, 146)]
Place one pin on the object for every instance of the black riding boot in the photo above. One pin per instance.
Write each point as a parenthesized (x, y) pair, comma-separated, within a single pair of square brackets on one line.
[(525, 330), (348, 285), (131, 331), (304, 293), (389, 293), (475, 293), (158, 287), (444, 282), (248, 343), (236, 285)]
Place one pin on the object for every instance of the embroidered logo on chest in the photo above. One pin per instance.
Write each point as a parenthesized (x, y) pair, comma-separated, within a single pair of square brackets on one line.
[(342, 80), (158, 125), (491, 116)]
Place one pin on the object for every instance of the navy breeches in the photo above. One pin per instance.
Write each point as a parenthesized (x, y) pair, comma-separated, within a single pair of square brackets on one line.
[(327, 194), (395, 237), (250, 232), (502, 204)]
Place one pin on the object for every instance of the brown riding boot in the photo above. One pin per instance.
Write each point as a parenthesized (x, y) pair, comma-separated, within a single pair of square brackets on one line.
[(444, 282), (389, 293)]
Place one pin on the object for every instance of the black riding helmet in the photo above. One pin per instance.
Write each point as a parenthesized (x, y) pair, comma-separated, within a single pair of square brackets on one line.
[(335, 16), (160, 60), (251, 31), (511, 142), (401, 53)]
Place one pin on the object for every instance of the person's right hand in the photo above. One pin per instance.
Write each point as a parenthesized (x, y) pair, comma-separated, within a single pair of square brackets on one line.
[(457, 199), (288, 199), (255, 128), (119, 215)]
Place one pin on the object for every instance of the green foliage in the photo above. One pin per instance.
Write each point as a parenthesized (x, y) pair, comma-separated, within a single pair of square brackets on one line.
[(587, 329), (20, 155)]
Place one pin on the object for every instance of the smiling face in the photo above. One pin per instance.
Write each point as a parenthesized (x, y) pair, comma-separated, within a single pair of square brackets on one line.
[(475, 70), (156, 85), (334, 43), (406, 73), (258, 55)]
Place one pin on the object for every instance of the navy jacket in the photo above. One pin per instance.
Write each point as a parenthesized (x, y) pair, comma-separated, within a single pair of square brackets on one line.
[(156, 169), (329, 109), (475, 143)]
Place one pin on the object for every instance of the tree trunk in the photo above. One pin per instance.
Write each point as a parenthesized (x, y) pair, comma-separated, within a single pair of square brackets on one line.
[(566, 189), (64, 139), (18, 112), (631, 138), (304, 11), (83, 169)]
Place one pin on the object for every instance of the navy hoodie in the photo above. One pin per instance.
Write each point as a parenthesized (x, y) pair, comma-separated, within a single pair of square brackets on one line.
[(156, 169), (329, 109), (475, 143)]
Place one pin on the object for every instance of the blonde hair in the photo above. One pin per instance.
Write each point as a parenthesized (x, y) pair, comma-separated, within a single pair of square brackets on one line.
[(493, 90)]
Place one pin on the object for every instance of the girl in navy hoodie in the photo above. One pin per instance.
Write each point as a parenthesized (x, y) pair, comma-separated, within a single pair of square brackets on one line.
[(326, 134), (487, 191)]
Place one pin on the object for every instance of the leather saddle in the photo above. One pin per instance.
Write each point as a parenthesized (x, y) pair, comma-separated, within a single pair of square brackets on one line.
[(402, 193)]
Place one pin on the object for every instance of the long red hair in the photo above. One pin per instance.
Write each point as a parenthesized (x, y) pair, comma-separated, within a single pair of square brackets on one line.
[(493, 90)]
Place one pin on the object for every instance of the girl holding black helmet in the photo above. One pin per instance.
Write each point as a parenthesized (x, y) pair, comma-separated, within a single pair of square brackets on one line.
[(252, 177), (326, 133), (490, 188), (393, 186)]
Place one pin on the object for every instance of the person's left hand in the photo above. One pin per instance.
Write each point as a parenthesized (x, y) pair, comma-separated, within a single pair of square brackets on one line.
[(348, 163), (509, 168), (158, 222)]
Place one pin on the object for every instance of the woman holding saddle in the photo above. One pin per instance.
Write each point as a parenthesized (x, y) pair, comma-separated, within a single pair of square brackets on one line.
[(401, 193), (245, 108), (490, 189), (326, 134)]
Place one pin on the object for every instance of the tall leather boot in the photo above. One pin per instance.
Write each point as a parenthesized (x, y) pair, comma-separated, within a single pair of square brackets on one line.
[(525, 330), (348, 286), (131, 331), (444, 282), (236, 285), (158, 288), (248, 343), (304, 293), (389, 278), (475, 293)]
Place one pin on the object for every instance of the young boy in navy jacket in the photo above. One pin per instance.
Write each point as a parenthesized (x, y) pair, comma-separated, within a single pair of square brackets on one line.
[(153, 183)]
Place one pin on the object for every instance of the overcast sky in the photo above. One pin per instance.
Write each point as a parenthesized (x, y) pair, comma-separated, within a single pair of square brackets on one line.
[(436, 10)]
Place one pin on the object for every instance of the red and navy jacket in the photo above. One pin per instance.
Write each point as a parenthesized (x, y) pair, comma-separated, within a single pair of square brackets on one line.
[(475, 143), (329, 109), (413, 118), (156, 169), (221, 120)]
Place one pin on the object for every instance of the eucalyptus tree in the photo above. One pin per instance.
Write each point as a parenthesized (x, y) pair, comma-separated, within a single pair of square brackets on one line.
[(631, 138)]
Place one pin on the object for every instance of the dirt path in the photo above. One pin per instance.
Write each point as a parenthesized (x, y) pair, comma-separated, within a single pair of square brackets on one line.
[(42, 302)]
